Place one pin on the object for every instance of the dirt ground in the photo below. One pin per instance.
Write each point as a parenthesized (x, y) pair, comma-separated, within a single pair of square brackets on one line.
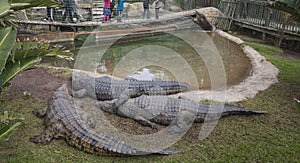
[(290, 54), (39, 82)]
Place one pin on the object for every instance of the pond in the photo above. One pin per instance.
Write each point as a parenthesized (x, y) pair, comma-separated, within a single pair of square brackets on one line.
[(162, 56)]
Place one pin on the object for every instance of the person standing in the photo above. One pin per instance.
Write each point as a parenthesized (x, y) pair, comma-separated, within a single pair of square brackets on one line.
[(120, 10), (146, 9), (106, 11), (68, 11), (112, 8), (158, 5), (71, 8), (76, 10), (50, 13)]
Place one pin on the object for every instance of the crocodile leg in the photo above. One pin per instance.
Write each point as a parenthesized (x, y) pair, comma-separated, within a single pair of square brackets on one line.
[(182, 122), (80, 93), (107, 106), (40, 113), (125, 95), (145, 122), (55, 130)]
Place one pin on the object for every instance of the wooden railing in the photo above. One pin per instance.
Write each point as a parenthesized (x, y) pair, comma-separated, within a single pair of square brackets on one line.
[(253, 12), (257, 13), (244, 11)]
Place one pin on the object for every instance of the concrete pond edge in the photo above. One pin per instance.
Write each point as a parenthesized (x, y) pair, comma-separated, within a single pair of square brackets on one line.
[(263, 75)]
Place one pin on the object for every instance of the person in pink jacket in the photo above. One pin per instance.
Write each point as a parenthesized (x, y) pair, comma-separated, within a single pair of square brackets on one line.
[(106, 11)]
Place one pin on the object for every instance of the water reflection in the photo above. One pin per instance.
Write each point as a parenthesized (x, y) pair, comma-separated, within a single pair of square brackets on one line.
[(153, 73)]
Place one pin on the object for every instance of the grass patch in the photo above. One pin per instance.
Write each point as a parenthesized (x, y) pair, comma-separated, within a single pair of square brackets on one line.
[(267, 138), (289, 68)]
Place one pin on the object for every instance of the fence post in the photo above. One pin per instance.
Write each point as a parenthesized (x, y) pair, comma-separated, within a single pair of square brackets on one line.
[(232, 14)]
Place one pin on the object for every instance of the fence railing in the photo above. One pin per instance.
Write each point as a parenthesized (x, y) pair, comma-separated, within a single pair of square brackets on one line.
[(254, 12), (257, 13)]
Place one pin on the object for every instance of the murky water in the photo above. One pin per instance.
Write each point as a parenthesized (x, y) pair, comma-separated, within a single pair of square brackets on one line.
[(162, 56)]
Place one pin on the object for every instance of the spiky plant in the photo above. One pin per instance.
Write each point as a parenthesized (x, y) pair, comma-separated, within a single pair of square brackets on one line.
[(18, 56)]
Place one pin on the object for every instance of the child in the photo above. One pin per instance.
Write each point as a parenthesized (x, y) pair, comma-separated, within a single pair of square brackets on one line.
[(106, 11), (120, 9)]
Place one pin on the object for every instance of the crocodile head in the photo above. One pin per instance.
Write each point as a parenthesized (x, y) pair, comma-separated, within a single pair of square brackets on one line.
[(108, 106), (62, 91), (83, 85), (79, 80)]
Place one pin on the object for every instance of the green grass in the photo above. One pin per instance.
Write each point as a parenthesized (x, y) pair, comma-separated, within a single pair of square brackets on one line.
[(268, 138), (289, 68)]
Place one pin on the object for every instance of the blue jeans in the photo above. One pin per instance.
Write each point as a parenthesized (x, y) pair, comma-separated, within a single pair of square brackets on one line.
[(120, 15), (156, 13), (146, 11)]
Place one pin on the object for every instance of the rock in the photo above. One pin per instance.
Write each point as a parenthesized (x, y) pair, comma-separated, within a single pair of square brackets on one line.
[(134, 9), (175, 9), (201, 20), (210, 13), (171, 5)]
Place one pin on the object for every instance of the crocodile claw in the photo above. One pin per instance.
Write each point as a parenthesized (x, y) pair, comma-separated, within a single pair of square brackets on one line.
[(35, 139)]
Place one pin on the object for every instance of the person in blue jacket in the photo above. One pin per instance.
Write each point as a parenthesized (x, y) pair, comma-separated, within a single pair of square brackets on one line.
[(120, 9)]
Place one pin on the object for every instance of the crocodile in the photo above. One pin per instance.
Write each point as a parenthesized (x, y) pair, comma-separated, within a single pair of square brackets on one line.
[(63, 121), (165, 110), (106, 88)]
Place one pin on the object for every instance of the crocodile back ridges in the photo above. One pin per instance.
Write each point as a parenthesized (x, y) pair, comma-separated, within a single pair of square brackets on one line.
[(164, 109), (62, 109), (81, 135), (103, 88), (108, 89), (159, 87)]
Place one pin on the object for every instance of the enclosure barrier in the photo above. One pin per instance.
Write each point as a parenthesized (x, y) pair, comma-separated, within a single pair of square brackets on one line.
[(256, 16), (250, 14)]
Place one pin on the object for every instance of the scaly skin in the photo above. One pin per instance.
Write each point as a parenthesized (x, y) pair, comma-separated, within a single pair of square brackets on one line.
[(105, 88), (62, 121), (163, 110)]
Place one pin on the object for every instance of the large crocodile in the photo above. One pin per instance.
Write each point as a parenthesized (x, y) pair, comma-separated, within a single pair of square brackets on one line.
[(164, 110), (62, 121), (106, 88)]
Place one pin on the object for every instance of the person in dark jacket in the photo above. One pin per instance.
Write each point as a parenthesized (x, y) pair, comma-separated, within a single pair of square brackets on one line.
[(146, 9), (68, 11), (71, 8), (51, 11), (112, 8), (49, 16)]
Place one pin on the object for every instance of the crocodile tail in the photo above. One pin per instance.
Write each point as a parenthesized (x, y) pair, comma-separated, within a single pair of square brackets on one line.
[(237, 110), (183, 86), (173, 86)]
